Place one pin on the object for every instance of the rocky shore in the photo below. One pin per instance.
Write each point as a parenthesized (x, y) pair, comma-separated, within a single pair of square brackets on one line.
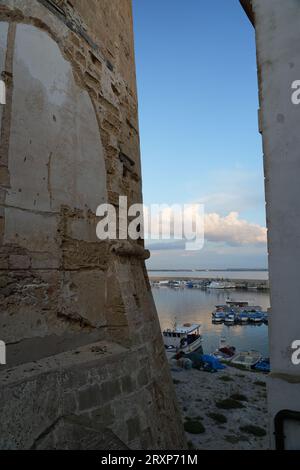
[(224, 410)]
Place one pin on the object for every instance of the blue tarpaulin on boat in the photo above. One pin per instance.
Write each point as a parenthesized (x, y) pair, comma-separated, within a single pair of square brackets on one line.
[(213, 362), (199, 360), (263, 365)]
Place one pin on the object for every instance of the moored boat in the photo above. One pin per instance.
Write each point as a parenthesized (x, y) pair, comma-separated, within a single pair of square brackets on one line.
[(163, 284), (243, 317), (263, 365), (175, 284), (218, 316), (230, 318), (190, 284), (237, 303), (225, 352), (221, 285), (256, 317), (246, 359), (184, 338), (265, 317)]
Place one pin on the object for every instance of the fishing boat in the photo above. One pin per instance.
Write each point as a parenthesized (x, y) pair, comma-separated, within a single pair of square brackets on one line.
[(230, 318), (221, 285), (243, 317), (246, 359), (252, 308), (218, 316), (256, 317), (154, 283), (242, 306), (163, 284), (183, 338), (265, 318), (237, 303), (224, 352), (175, 284)]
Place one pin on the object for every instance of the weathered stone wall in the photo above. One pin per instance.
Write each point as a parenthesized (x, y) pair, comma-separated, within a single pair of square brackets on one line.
[(70, 141), (102, 387)]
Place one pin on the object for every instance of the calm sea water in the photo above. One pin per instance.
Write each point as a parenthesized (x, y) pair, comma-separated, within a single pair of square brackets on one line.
[(257, 275), (196, 305)]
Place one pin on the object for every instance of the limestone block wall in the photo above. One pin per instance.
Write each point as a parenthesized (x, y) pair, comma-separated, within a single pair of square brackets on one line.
[(97, 397), (70, 141)]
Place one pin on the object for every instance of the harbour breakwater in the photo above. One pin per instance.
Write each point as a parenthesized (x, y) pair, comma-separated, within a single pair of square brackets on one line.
[(209, 283)]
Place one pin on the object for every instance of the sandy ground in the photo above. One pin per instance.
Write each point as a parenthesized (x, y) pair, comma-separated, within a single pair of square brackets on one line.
[(198, 392)]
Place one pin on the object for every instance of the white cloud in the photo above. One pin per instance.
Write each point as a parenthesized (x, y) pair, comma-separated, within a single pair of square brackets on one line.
[(233, 230), (230, 230)]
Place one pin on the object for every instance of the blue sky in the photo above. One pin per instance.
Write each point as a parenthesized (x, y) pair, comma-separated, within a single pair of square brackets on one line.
[(198, 101)]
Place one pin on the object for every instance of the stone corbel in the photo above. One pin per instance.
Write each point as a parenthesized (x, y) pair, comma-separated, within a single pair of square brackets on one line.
[(126, 248)]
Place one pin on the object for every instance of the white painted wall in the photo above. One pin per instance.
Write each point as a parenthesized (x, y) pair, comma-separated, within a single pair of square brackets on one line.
[(278, 45)]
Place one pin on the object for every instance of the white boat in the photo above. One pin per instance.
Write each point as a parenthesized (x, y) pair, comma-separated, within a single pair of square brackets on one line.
[(218, 316), (256, 317), (230, 318), (237, 303), (163, 283), (183, 338), (224, 352), (246, 359), (243, 317), (175, 284), (221, 285), (154, 283)]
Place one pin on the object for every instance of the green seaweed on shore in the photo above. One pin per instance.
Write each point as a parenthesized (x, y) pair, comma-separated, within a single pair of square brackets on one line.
[(226, 378), (229, 404), (218, 417), (194, 418), (234, 439), (254, 430), (260, 383), (239, 397), (194, 427)]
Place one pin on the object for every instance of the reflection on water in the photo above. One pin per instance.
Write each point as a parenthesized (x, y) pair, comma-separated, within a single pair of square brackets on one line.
[(196, 305)]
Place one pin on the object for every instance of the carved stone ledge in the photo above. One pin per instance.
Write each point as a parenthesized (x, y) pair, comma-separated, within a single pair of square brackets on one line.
[(126, 248)]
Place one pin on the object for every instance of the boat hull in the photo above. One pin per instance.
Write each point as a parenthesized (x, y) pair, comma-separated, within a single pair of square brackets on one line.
[(189, 348), (246, 359)]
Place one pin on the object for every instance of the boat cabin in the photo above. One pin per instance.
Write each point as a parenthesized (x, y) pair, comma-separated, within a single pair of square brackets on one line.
[(237, 303), (186, 338)]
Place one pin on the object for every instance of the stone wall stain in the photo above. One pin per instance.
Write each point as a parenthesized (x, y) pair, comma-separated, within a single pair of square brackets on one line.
[(86, 363)]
